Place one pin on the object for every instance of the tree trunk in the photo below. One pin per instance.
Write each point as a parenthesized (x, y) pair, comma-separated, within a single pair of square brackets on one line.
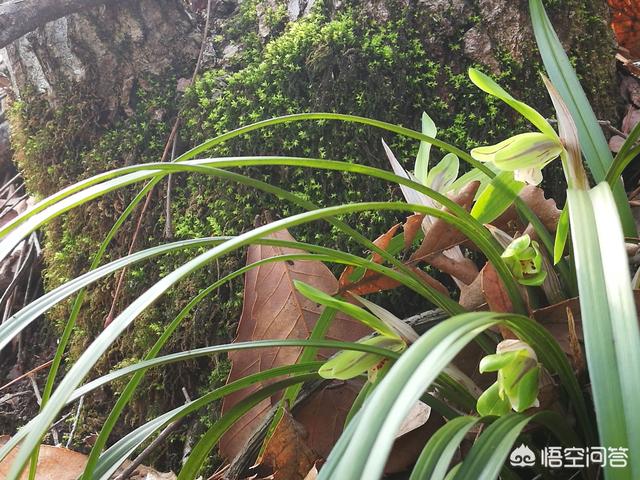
[(22, 17)]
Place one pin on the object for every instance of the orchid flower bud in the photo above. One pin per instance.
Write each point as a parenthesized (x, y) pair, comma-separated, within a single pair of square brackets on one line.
[(350, 363)]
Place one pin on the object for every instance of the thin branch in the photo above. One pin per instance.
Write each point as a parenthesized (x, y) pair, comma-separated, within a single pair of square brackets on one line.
[(75, 421), (25, 375)]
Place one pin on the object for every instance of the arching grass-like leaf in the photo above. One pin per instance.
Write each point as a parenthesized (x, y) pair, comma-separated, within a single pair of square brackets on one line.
[(371, 441), (592, 141), (437, 454), (609, 320)]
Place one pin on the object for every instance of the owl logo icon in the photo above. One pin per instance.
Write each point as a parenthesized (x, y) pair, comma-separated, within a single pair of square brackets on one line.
[(522, 456)]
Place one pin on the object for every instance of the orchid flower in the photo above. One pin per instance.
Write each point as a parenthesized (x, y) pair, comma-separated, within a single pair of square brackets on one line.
[(525, 154), (348, 364), (524, 259), (518, 379), (389, 332)]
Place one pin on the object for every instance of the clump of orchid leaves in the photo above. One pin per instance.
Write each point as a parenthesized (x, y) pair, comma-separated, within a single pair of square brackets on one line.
[(515, 162)]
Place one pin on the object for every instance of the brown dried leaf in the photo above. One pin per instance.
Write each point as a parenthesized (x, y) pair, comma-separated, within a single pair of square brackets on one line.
[(411, 228), (313, 474), (471, 296), (379, 283), (382, 242), (440, 234), (615, 143), (407, 448), (58, 463), (464, 269), (631, 119), (287, 455), (496, 295), (545, 209), (418, 416), (273, 309), (574, 343), (323, 414)]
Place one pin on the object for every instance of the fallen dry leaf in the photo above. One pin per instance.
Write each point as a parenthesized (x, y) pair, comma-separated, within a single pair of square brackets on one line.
[(287, 455), (58, 463), (323, 414), (345, 283), (625, 21), (464, 269), (313, 474), (544, 208), (273, 309), (407, 448), (441, 235), (574, 343), (496, 295), (411, 228), (471, 296), (416, 417)]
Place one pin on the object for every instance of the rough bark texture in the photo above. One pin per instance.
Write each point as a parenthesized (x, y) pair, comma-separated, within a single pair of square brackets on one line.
[(23, 16), (102, 88), (104, 50)]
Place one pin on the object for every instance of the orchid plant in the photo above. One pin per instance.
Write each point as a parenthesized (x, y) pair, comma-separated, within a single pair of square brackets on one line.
[(400, 366)]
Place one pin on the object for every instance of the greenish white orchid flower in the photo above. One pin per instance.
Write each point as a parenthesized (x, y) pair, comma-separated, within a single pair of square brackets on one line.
[(390, 333), (348, 363), (518, 379), (525, 154), (524, 259)]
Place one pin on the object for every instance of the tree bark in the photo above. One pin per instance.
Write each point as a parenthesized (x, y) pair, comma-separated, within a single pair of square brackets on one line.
[(103, 50), (19, 17)]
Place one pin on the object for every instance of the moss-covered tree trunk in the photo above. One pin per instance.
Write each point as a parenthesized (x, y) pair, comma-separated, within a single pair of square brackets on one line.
[(103, 88)]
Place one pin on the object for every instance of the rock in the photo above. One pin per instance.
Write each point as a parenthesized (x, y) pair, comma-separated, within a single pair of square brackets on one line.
[(230, 51), (262, 10), (478, 47)]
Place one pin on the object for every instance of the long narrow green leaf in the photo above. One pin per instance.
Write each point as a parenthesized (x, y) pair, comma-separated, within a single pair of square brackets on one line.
[(417, 368), (623, 158), (83, 365), (494, 200), (144, 365), (592, 141), (562, 233), (609, 321), (24, 317), (487, 84), (128, 391), (209, 440), (119, 452), (437, 454), (486, 458), (19, 321), (421, 169), (622, 162), (31, 224), (523, 209), (366, 454)]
